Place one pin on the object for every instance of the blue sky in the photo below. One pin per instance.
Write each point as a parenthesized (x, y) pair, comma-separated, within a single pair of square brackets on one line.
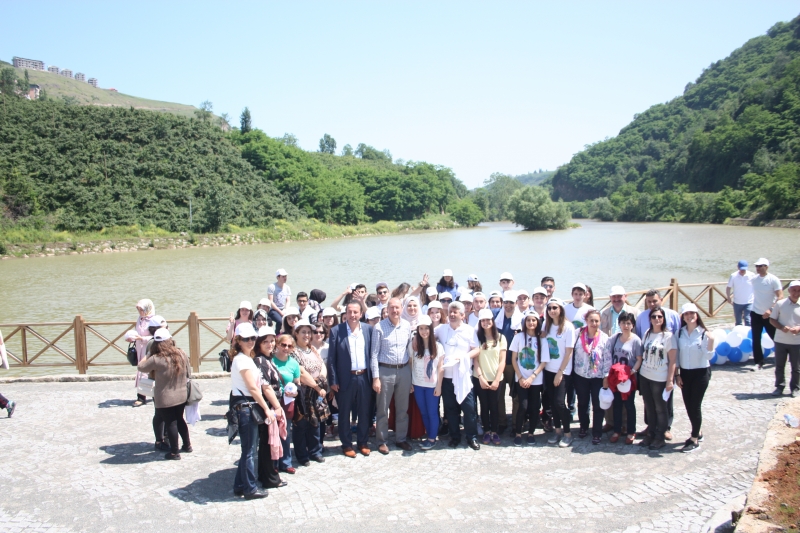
[(478, 87)]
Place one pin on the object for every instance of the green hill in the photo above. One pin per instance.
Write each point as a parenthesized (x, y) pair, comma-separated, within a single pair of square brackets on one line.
[(537, 177), (81, 93), (729, 146)]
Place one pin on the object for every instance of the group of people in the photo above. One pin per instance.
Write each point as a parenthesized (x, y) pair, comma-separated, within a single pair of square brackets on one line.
[(429, 359)]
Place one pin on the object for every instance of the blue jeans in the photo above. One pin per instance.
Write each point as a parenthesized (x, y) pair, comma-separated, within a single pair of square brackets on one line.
[(307, 441), (452, 409), (429, 407), (245, 480), (742, 312), (285, 461)]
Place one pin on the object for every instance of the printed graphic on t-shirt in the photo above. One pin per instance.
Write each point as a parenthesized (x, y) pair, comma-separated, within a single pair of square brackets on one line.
[(620, 355), (527, 358), (654, 356), (553, 345)]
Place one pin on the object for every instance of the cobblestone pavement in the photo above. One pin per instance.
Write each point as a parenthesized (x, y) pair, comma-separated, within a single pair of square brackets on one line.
[(78, 457)]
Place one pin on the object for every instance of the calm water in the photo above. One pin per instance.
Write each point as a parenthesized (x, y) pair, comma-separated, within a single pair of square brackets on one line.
[(212, 281)]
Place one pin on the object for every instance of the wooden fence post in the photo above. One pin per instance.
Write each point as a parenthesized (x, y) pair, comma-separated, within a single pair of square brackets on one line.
[(673, 300), (81, 362), (194, 341)]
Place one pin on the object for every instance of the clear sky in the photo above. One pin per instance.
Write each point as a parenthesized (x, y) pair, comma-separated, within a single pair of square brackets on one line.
[(480, 87)]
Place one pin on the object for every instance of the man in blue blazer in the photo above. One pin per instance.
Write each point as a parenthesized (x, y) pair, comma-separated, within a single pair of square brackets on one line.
[(349, 376)]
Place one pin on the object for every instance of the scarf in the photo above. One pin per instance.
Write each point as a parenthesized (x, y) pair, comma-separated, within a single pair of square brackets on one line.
[(406, 316), (591, 348)]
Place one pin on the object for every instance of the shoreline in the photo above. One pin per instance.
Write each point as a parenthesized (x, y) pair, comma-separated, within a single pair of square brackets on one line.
[(280, 231)]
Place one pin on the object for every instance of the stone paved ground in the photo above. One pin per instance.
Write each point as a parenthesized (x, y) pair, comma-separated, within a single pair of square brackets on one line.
[(77, 457)]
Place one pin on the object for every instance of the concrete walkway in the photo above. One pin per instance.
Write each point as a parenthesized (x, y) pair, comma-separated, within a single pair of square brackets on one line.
[(77, 457)]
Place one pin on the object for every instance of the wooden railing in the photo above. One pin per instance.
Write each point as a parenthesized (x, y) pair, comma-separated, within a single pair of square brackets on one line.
[(101, 344)]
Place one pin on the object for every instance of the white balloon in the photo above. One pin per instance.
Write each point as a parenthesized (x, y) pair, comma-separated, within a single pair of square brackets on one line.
[(766, 342), (742, 330), (721, 359), (734, 338)]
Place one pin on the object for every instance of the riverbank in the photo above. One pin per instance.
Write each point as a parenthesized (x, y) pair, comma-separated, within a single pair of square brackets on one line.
[(25, 243), (779, 223)]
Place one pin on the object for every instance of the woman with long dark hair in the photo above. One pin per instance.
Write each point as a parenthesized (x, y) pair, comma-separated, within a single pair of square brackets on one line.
[(529, 361), (448, 284), (272, 389), (656, 376), (695, 350), (307, 431), (560, 336), (424, 354), (243, 314), (290, 317), (171, 368), (488, 375)]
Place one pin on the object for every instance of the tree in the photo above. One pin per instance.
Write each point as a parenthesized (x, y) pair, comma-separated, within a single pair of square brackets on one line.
[(327, 145), (11, 85), (288, 139), (225, 121), (532, 208), (347, 150), (245, 121), (368, 152), (466, 213), (204, 113)]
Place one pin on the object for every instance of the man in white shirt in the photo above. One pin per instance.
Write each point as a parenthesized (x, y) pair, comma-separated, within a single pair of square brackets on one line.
[(576, 310), (539, 300), (306, 311), (741, 285), (785, 318), (382, 290), (280, 295), (455, 382), (766, 291), (506, 281)]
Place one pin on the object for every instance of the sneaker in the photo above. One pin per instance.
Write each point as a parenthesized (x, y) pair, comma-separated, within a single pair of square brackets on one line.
[(778, 391), (518, 440), (690, 446), (11, 407), (187, 449), (554, 438), (565, 441), (487, 438), (596, 440), (531, 440), (427, 445), (496, 439)]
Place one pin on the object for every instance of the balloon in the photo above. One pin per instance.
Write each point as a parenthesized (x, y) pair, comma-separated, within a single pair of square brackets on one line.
[(746, 356), (713, 359), (742, 330), (767, 342), (746, 346), (719, 335), (750, 334), (768, 352), (735, 356), (734, 338), (723, 349), (721, 360)]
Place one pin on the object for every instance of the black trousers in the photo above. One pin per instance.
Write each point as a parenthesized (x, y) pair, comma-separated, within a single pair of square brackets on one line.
[(158, 425), (357, 397), (175, 425), (757, 323), (529, 403), (267, 468), (588, 390), (558, 400), (695, 383), (490, 405)]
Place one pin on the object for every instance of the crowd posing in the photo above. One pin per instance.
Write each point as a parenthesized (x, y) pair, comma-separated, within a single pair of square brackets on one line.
[(430, 359)]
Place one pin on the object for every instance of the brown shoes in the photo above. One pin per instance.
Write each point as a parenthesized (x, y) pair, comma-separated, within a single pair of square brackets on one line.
[(364, 451), (349, 452), (384, 449), (405, 446)]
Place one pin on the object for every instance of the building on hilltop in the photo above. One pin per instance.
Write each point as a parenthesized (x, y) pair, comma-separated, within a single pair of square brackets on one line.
[(67, 73), (80, 76), (53, 69), (93, 82), (33, 64), (113, 90), (33, 92)]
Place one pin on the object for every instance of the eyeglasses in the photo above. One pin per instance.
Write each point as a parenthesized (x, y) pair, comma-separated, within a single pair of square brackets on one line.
[(248, 339), (284, 345)]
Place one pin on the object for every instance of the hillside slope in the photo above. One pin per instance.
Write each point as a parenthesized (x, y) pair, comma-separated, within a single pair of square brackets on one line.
[(81, 93), (737, 128)]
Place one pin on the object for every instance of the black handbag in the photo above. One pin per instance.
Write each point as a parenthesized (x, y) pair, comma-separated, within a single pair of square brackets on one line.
[(133, 357), (225, 361)]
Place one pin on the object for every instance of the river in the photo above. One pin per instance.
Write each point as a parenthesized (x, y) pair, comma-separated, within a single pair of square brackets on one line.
[(212, 281)]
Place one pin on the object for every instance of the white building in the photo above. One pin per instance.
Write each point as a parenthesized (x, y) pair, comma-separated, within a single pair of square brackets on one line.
[(33, 64)]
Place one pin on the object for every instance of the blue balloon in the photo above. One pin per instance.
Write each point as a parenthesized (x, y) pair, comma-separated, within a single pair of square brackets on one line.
[(750, 334), (746, 346), (735, 356), (713, 360), (723, 349), (768, 352)]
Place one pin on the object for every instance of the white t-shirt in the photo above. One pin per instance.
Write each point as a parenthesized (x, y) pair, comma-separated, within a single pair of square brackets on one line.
[(241, 362), (525, 346), (742, 287), (473, 320), (307, 313), (557, 346), (280, 295), (424, 371), (577, 315), (655, 362), (764, 292), (456, 342), (787, 313)]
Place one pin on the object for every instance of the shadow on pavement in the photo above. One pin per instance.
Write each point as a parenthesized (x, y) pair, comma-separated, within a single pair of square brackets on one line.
[(130, 453), (220, 402), (217, 432), (213, 417), (115, 403), (217, 487), (754, 396)]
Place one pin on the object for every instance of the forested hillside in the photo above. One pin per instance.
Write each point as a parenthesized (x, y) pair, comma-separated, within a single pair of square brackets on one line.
[(732, 139)]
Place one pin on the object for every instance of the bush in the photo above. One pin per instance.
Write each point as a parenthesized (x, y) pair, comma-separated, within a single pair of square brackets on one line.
[(466, 213), (532, 208)]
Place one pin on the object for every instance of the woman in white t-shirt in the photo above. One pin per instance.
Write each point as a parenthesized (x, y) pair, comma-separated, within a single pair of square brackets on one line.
[(246, 391), (559, 334), (426, 356), (529, 361), (655, 377)]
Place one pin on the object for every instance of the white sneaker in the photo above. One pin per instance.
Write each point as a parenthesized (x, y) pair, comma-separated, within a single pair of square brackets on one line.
[(565, 441)]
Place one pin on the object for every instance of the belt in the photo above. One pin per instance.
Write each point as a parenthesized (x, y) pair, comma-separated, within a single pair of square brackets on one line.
[(358, 372), (386, 365)]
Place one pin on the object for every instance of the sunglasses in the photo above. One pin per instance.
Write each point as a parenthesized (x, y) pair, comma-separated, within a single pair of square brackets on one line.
[(548, 286), (248, 339), (283, 344), (657, 316), (554, 308), (383, 292), (319, 333)]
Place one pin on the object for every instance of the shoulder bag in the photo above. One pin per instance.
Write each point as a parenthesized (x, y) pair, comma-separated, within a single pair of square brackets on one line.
[(193, 392), (133, 357)]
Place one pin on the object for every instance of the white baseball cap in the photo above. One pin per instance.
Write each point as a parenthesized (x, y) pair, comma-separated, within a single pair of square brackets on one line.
[(424, 320), (495, 294), (163, 334), (795, 283), (246, 329), (624, 386), (762, 261), (485, 314), (281, 272), (372, 312), (302, 322), (244, 304), (447, 272), (523, 292), (472, 277), (289, 311), (510, 296), (478, 294), (264, 301), (329, 311), (617, 290), (431, 291), (436, 304), (466, 297), (539, 290), (506, 275), (689, 308), (579, 285), (156, 321), (445, 296), (533, 313), (263, 331)]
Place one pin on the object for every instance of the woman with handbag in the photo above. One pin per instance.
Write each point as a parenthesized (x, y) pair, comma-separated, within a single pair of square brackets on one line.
[(146, 311), (307, 430), (272, 388), (246, 397), (171, 368)]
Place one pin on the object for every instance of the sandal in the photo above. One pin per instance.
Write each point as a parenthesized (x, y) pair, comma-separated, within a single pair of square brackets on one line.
[(614, 438), (629, 439), (138, 403)]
